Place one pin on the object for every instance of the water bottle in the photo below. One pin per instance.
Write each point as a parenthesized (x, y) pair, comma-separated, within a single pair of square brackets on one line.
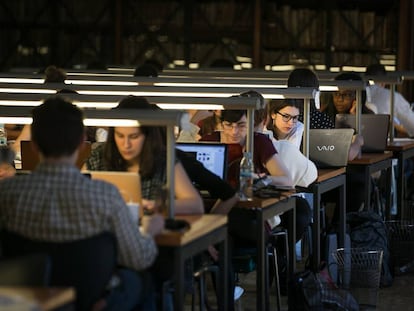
[(246, 177), (3, 136)]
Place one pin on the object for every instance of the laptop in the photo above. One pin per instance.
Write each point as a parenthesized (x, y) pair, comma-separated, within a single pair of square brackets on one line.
[(30, 157), (212, 155), (330, 147), (129, 186), (374, 129)]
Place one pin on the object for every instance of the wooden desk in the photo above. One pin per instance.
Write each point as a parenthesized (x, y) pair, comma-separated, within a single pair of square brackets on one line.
[(265, 209), (328, 179), (47, 298), (368, 164), (205, 230), (402, 150)]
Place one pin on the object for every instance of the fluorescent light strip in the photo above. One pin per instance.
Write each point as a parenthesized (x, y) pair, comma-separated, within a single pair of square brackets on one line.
[(98, 105), (110, 122), (37, 91), (22, 80), (167, 106), (15, 120), (80, 104), (23, 103), (328, 88), (189, 84), (95, 82)]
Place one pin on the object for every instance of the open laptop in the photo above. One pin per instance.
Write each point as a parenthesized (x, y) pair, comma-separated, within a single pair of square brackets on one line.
[(129, 186), (330, 147), (30, 157), (212, 155), (374, 129)]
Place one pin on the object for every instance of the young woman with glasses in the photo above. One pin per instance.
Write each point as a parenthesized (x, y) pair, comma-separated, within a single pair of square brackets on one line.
[(284, 122)]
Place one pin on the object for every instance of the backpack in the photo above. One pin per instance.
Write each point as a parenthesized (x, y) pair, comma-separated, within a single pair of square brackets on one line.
[(368, 230)]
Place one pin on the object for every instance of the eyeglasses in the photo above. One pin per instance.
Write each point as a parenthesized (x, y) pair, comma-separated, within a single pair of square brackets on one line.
[(237, 126), (345, 95), (288, 117)]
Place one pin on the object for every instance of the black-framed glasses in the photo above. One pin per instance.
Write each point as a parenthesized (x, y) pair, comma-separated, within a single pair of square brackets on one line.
[(288, 117), (344, 95), (237, 126)]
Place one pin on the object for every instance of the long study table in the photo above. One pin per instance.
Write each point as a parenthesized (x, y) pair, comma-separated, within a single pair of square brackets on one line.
[(265, 208), (328, 179), (366, 165), (45, 298), (402, 150), (205, 230)]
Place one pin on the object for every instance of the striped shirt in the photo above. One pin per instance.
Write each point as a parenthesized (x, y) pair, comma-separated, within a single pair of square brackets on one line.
[(57, 203)]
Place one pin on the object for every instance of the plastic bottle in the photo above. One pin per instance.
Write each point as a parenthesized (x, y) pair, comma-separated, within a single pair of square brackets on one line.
[(246, 177), (3, 135)]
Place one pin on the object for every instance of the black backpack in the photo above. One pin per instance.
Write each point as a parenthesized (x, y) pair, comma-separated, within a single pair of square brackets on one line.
[(368, 230)]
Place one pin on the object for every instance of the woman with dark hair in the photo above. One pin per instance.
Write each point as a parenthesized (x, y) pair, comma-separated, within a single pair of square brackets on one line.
[(303, 77), (142, 149), (283, 121)]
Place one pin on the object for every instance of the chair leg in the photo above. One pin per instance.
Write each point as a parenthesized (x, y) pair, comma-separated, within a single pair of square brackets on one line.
[(277, 286), (199, 277)]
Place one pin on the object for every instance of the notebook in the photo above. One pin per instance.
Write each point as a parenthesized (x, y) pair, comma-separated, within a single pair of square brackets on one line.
[(329, 147), (129, 186), (212, 155), (30, 157), (374, 129)]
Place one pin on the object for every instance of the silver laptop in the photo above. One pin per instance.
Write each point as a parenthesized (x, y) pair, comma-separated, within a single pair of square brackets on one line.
[(329, 147), (374, 129)]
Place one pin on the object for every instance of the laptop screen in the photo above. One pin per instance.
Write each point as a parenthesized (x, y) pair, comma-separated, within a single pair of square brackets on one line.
[(329, 147), (212, 155), (374, 129)]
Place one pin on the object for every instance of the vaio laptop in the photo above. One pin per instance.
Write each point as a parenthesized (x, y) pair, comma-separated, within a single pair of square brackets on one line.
[(212, 155), (329, 147), (30, 157), (374, 129)]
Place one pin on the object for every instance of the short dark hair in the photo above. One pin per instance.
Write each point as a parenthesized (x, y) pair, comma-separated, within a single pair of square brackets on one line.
[(154, 145), (302, 77), (54, 74), (57, 128), (146, 70), (232, 116), (375, 70)]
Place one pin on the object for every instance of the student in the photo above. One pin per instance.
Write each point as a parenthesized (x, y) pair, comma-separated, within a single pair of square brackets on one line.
[(265, 157), (303, 77), (7, 168), (142, 150), (284, 121), (55, 203), (344, 100), (284, 115), (380, 97)]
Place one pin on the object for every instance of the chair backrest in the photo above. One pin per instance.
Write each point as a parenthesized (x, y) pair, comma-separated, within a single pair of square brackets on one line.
[(30, 157), (27, 270), (86, 264)]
